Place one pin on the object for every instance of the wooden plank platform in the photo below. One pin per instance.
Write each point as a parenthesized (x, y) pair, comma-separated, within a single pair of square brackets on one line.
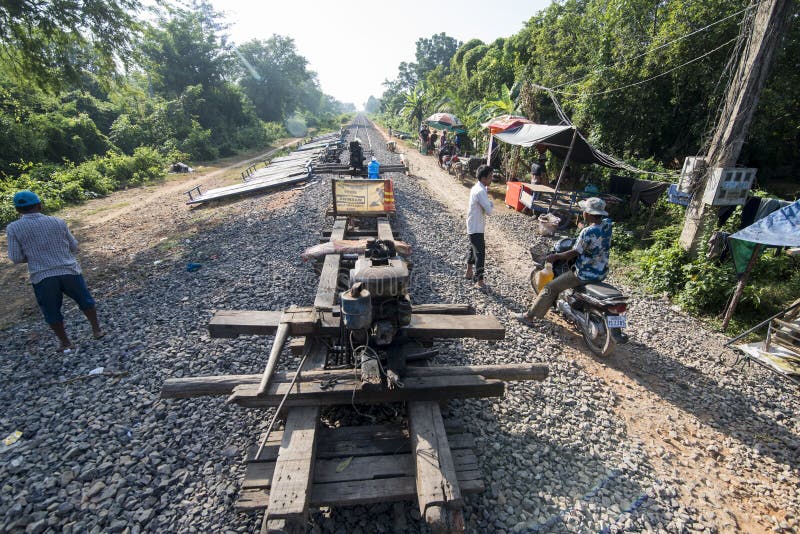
[(332, 445), (359, 465), (266, 184)]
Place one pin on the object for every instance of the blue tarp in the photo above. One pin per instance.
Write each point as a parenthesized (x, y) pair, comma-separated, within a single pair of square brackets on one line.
[(778, 229)]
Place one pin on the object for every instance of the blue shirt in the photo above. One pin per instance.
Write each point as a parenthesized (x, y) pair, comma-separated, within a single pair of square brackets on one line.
[(592, 246)]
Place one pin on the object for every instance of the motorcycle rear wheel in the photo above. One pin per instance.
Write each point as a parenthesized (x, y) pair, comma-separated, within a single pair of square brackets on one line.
[(600, 341)]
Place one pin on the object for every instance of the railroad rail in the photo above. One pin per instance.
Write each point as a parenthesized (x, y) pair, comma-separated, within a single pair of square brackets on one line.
[(362, 342)]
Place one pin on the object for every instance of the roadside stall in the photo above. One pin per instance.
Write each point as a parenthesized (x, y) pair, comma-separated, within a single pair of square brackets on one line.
[(566, 143), (780, 350)]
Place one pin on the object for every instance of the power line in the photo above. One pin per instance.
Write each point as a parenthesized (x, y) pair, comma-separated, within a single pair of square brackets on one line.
[(623, 62), (640, 82)]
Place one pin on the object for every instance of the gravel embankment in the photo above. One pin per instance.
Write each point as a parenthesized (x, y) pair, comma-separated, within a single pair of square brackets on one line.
[(570, 454)]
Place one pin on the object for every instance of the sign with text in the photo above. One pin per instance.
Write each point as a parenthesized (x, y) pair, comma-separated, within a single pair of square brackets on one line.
[(363, 197)]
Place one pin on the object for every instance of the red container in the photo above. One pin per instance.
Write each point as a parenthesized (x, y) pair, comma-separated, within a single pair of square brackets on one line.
[(513, 189)]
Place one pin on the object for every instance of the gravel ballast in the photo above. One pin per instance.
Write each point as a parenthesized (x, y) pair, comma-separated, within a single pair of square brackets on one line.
[(659, 437)]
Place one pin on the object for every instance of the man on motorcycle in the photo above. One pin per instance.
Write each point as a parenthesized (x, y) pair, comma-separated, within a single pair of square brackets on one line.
[(590, 254)]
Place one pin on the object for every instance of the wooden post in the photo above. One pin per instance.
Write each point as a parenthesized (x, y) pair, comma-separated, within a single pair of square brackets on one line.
[(563, 167), (438, 493), (768, 25), (489, 152), (277, 345), (737, 294)]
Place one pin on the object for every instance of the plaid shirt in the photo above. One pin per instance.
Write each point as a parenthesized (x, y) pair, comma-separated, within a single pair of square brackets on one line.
[(45, 244)]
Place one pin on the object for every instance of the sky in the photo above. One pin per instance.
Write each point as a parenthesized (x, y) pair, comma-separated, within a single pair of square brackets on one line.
[(355, 45)]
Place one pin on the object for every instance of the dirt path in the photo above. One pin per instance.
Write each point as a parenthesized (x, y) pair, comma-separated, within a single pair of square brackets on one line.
[(679, 444), (114, 231)]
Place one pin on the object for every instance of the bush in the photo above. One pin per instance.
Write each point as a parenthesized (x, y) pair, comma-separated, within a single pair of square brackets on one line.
[(145, 165), (661, 269), (707, 287), (274, 131), (59, 186)]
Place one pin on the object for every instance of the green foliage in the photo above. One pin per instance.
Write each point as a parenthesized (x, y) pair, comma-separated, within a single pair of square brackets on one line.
[(596, 53), (59, 186), (661, 269), (273, 75), (47, 42), (707, 286)]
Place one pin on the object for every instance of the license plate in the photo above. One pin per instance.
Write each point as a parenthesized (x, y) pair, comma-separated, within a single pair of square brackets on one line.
[(617, 321)]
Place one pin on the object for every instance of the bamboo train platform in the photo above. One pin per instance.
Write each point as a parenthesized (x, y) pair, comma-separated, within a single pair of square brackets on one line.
[(307, 464)]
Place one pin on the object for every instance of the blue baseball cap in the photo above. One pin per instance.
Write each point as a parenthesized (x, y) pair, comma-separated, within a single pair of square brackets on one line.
[(24, 199)]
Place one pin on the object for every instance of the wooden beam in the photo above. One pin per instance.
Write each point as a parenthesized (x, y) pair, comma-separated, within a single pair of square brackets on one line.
[(233, 323), (295, 459), (291, 482), (446, 309), (296, 345), (352, 493), (438, 492), (429, 324), (455, 326), (385, 229), (329, 278), (347, 391), (184, 388), (328, 283)]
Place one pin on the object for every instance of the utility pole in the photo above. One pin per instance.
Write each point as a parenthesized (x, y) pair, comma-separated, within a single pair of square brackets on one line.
[(768, 26)]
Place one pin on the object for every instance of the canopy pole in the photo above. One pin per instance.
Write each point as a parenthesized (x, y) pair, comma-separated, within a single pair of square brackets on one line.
[(563, 167), (737, 294), (762, 323), (489, 152)]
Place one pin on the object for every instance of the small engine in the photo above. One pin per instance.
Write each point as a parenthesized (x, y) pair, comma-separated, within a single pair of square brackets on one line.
[(377, 303), (356, 155)]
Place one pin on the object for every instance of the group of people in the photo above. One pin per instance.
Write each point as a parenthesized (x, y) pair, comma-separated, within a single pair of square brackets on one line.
[(430, 140), (590, 252), (47, 246)]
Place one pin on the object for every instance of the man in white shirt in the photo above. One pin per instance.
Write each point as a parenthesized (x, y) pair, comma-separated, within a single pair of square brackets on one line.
[(480, 205)]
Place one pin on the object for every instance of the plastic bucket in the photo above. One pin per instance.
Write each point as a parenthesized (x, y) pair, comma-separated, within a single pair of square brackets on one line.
[(547, 224)]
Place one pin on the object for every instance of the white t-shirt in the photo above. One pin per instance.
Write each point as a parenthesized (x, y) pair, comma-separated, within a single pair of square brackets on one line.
[(480, 205)]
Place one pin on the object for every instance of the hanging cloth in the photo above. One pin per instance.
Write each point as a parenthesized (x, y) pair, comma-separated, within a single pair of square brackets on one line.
[(749, 211), (647, 192), (620, 185)]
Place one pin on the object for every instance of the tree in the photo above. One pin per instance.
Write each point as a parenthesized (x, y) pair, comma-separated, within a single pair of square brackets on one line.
[(186, 48), (372, 105), (39, 39), (434, 52), (272, 74), (414, 106)]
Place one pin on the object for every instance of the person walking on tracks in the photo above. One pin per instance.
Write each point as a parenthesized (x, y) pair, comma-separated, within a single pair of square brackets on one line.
[(47, 246), (480, 205)]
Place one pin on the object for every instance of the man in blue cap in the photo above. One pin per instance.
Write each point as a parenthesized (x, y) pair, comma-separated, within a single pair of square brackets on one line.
[(47, 246)]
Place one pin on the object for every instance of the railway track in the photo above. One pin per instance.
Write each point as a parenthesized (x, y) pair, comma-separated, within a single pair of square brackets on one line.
[(362, 342)]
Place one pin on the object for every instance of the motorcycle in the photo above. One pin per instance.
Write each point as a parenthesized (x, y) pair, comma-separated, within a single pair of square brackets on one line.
[(597, 308)]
